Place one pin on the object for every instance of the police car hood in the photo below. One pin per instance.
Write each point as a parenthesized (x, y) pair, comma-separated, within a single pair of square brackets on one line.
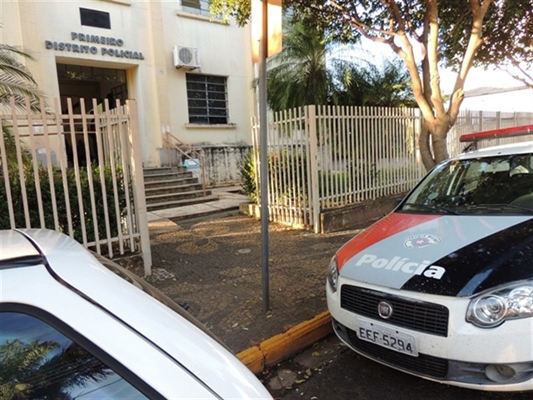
[(447, 255)]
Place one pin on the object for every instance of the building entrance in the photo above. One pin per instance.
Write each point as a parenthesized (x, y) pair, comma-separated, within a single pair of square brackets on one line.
[(83, 82)]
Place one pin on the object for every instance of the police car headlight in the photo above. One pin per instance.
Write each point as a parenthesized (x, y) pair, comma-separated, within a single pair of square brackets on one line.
[(333, 274), (494, 308)]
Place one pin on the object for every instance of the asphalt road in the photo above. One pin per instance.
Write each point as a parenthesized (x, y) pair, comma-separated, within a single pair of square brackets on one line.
[(331, 371)]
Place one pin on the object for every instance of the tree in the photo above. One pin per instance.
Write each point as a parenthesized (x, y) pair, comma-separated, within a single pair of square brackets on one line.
[(298, 75), (508, 39), (433, 33), (15, 80), (368, 84)]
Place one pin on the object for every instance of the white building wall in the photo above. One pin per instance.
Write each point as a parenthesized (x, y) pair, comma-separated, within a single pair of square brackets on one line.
[(223, 51), (152, 28), (506, 101)]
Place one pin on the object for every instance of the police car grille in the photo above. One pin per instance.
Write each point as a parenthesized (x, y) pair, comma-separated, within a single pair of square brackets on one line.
[(423, 364), (417, 315)]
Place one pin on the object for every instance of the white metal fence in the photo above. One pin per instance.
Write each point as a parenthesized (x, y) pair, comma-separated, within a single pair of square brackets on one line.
[(478, 121), (78, 172), (326, 157)]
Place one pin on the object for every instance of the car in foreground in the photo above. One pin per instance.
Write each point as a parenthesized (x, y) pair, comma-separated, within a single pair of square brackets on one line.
[(71, 327), (442, 287)]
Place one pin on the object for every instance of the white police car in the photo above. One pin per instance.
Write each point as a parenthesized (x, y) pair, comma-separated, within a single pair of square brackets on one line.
[(442, 287), (71, 328)]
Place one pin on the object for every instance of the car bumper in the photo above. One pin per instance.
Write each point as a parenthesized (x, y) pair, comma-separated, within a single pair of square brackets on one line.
[(460, 354)]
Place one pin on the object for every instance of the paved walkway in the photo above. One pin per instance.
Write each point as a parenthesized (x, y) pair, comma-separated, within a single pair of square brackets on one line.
[(228, 200), (214, 266)]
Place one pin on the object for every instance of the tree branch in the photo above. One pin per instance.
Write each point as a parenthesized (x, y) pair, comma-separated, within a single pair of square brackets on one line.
[(360, 25), (526, 78), (475, 41), (425, 63), (433, 33)]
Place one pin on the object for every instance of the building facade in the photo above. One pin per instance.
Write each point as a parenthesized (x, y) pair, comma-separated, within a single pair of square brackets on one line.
[(191, 74), (506, 99)]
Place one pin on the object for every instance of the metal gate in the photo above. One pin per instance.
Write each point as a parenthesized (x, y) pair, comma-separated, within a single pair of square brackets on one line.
[(77, 171)]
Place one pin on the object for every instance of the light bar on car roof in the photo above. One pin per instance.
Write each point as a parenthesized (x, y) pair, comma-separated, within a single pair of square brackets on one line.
[(497, 133)]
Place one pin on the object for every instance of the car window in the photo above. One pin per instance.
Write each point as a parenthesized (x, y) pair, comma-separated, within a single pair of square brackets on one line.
[(39, 362), (501, 184)]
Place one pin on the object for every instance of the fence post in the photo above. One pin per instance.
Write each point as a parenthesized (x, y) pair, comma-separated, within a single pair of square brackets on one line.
[(312, 147), (138, 190)]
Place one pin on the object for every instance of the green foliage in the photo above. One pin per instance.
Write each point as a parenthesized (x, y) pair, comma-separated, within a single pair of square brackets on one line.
[(288, 171), (386, 85), (11, 149), (62, 212), (238, 9), (507, 33), (281, 166), (298, 76), (248, 174), (16, 80)]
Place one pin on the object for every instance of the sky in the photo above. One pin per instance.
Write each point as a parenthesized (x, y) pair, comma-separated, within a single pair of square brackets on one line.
[(479, 77), (476, 78)]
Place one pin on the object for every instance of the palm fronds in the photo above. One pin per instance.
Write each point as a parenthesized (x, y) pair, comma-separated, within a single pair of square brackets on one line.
[(16, 80)]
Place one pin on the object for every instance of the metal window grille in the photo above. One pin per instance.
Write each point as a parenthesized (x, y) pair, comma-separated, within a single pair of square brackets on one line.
[(197, 7), (207, 99)]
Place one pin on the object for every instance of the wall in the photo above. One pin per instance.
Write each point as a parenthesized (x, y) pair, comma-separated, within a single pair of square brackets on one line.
[(223, 51), (494, 99), (222, 163), (151, 28)]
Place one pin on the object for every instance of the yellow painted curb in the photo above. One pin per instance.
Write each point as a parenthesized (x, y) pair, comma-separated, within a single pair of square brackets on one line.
[(283, 345)]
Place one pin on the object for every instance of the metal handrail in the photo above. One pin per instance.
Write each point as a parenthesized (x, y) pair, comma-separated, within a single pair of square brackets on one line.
[(171, 140)]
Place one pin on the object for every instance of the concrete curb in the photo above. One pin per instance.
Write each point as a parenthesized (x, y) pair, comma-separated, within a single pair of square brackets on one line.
[(282, 346)]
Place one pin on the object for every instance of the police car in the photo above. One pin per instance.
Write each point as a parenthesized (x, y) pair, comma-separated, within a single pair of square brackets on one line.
[(442, 287), (73, 326)]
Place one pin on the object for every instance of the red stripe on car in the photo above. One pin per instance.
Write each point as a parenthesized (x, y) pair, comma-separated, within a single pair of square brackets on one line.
[(384, 228)]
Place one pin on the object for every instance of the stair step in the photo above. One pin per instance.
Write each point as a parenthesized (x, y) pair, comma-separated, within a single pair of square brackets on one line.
[(161, 177), (163, 170), (169, 189), (192, 194), (179, 203), (171, 182)]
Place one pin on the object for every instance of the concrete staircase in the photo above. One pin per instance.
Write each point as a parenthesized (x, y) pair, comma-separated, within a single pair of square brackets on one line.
[(169, 187)]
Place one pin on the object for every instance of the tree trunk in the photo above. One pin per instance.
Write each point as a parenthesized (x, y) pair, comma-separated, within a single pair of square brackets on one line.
[(432, 141)]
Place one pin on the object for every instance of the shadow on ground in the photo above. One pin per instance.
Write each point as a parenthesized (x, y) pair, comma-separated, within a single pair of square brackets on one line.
[(214, 266)]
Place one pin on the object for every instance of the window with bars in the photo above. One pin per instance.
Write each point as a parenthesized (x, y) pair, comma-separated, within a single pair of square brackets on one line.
[(200, 7), (207, 99)]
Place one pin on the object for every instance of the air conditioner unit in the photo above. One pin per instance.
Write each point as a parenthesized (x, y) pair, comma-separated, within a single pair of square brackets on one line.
[(186, 57)]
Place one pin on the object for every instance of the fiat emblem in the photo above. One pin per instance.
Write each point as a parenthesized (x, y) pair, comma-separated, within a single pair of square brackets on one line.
[(384, 310)]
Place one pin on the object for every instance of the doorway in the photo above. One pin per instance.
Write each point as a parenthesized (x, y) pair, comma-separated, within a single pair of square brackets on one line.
[(83, 82)]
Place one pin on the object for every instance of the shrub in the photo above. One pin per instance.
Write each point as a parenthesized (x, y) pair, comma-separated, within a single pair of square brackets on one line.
[(248, 174), (284, 170), (46, 199)]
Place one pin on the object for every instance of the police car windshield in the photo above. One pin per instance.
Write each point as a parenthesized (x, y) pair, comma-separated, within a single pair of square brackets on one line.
[(489, 185)]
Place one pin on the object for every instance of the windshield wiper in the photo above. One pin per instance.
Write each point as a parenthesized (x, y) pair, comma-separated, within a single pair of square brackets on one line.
[(429, 207), (501, 207)]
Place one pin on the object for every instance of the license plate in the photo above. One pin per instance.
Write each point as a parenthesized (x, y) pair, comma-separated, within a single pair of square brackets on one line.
[(386, 337)]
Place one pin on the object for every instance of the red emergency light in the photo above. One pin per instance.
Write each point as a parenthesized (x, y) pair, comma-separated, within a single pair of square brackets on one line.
[(497, 133)]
